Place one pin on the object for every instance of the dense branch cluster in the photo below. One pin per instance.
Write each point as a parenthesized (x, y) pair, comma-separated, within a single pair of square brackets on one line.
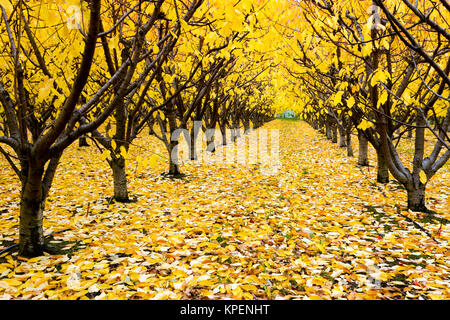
[(112, 71), (106, 70), (379, 69)]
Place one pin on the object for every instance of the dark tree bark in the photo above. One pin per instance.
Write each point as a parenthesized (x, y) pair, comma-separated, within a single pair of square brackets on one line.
[(328, 130), (246, 124), (342, 137), (349, 144), (82, 142), (382, 168), (31, 214), (416, 198), (120, 179), (174, 168), (223, 131), (334, 133), (210, 143), (363, 159)]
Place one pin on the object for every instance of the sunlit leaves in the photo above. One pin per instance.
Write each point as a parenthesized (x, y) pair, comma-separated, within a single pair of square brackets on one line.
[(364, 125), (379, 76), (6, 4), (46, 87), (338, 98), (351, 102)]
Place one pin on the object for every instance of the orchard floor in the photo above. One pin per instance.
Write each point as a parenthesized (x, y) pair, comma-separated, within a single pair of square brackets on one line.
[(319, 228)]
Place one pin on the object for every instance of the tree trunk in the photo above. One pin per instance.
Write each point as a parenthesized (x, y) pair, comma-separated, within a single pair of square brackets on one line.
[(383, 169), (342, 138), (363, 159), (234, 134), (210, 144), (416, 199), (174, 168), (237, 130), (192, 145), (328, 130), (349, 143), (223, 131), (315, 125), (334, 133), (120, 180), (31, 242), (246, 127), (192, 150), (194, 135)]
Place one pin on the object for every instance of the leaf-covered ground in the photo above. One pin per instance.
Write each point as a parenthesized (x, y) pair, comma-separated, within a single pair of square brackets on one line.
[(318, 229)]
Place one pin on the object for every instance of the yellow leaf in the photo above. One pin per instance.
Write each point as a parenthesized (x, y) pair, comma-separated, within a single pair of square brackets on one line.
[(7, 5), (79, 294), (351, 102), (114, 43), (123, 151), (12, 282), (46, 87), (366, 50), (237, 292), (384, 97), (249, 287), (105, 154), (364, 125), (113, 145), (33, 260), (134, 276), (320, 247), (247, 296), (423, 177), (338, 97)]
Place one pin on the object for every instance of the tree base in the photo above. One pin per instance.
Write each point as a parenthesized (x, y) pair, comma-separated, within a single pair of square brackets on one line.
[(416, 201), (177, 175), (38, 251), (28, 252), (383, 177), (122, 199), (422, 209)]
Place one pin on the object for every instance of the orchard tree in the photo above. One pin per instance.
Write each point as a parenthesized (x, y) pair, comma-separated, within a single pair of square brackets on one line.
[(41, 84), (149, 43), (386, 77)]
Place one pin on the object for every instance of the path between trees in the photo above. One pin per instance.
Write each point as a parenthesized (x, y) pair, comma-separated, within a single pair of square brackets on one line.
[(319, 228)]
